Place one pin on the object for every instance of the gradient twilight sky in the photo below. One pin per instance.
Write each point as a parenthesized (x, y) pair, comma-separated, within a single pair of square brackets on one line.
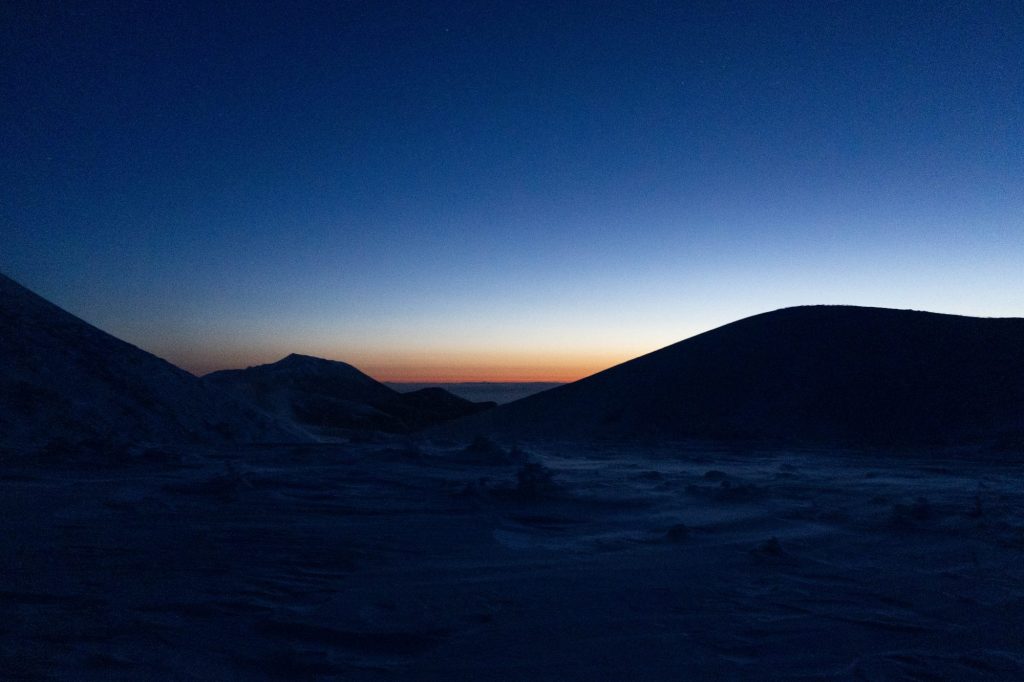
[(506, 191)]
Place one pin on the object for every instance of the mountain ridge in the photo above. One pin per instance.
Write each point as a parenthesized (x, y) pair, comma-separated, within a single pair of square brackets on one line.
[(327, 397)]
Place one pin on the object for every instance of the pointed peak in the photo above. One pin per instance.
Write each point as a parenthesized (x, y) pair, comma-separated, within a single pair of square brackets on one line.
[(298, 361), (293, 358)]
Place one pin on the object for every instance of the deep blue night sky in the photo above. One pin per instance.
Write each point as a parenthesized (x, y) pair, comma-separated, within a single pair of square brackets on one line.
[(505, 190)]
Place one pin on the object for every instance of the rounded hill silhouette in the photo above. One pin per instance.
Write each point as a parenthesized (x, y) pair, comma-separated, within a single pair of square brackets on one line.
[(814, 375)]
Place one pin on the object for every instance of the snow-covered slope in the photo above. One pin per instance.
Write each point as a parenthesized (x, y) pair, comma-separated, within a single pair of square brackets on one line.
[(326, 395), (63, 379), (825, 375)]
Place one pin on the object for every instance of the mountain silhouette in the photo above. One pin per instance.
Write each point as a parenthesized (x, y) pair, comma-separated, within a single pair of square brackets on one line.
[(61, 379), (812, 375), (328, 396)]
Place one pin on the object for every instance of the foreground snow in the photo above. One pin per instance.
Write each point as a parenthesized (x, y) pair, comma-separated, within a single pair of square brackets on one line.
[(385, 561)]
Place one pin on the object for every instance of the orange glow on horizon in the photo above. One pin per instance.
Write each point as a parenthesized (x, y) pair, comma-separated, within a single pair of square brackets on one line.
[(478, 374), (451, 367), (446, 367)]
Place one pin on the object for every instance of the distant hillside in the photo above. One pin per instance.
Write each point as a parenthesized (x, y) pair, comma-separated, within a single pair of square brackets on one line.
[(500, 392), (63, 379), (815, 375), (326, 396)]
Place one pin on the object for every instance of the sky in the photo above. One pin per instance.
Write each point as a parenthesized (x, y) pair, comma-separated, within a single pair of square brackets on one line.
[(504, 191)]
